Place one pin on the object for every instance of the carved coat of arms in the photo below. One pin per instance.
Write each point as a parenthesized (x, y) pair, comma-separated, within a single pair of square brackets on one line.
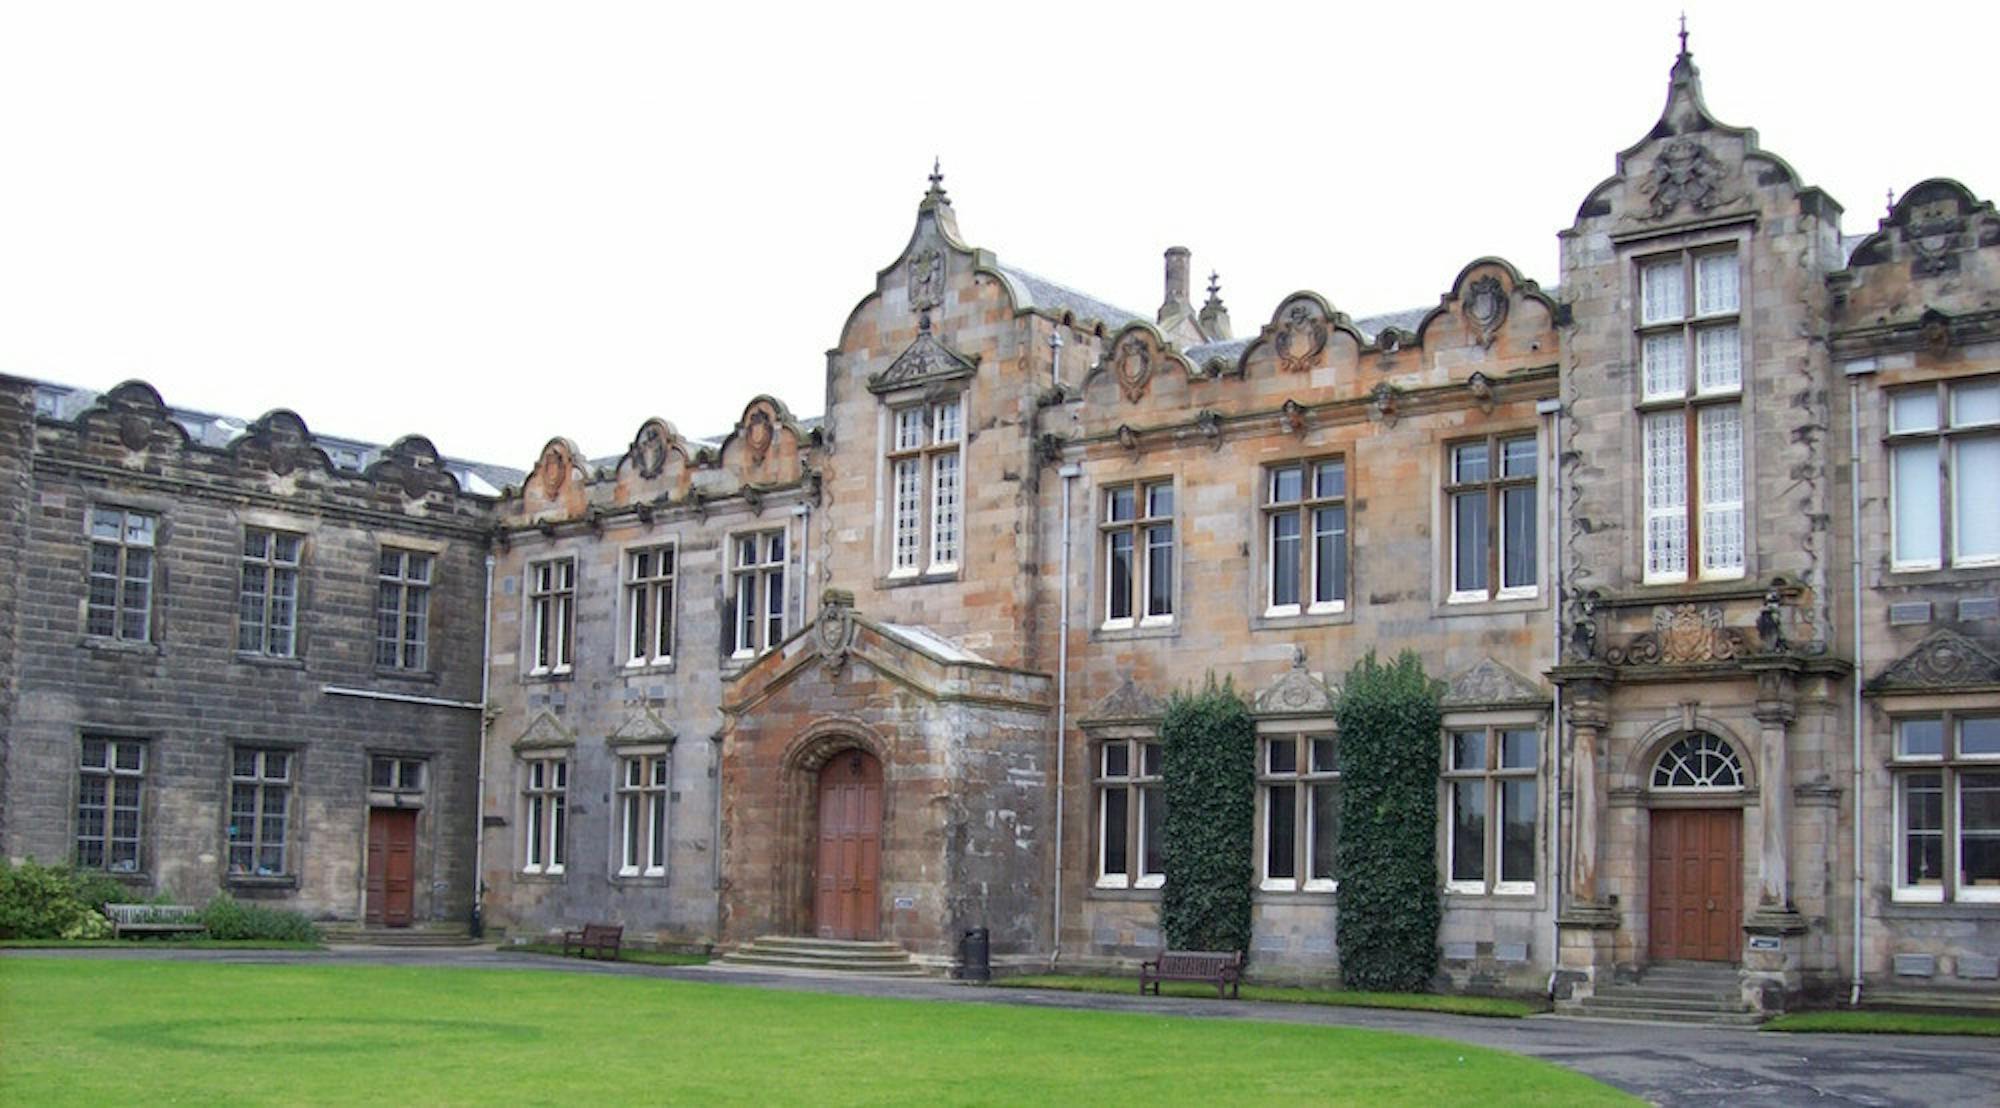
[(1133, 366), (1301, 338), (758, 434), (926, 278), (1933, 232), (649, 450), (1685, 173), (1486, 307)]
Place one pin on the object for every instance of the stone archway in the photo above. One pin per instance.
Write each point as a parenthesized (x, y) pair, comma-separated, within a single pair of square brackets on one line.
[(1694, 871)]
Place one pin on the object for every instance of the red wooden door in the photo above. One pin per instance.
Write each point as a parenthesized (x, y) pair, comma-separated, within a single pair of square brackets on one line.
[(846, 882), (1696, 876), (392, 866)]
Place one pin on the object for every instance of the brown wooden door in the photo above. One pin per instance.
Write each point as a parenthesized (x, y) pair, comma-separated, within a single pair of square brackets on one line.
[(392, 866), (1697, 884), (846, 883)]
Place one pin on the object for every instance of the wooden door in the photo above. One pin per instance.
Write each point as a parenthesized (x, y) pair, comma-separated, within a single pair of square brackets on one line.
[(1696, 881), (392, 866), (846, 882)]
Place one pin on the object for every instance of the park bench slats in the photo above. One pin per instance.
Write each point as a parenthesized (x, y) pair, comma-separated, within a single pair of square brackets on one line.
[(153, 919), (1223, 969), (603, 938)]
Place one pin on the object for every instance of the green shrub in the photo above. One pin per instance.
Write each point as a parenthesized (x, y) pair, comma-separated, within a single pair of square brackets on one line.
[(227, 918), (1387, 858), (1208, 839), (53, 902)]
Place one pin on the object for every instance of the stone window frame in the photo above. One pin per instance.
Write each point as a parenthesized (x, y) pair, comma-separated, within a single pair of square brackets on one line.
[(1139, 530), (1691, 401), (1944, 437), (1308, 775), (1137, 779), (1495, 486), (260, 782), (411, 607), (1490, 778), (937, 448), (1269, 510), (644, 814), (267, 565), (545, 785), (110, 770), (123, 545), (397, 784), (550, 629), (636, 592), (759, 575), (1950, 766)]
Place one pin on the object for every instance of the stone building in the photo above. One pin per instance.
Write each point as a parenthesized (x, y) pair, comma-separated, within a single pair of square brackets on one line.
[(232, 664), (1696, 535)]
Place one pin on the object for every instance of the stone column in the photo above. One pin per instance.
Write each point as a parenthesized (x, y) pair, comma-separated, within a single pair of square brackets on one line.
[(1588, 717), (1774, 798), (1773, 930)]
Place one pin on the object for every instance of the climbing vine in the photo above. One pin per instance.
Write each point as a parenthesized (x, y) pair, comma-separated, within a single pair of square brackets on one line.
[(1210, 776), (1386, 862)]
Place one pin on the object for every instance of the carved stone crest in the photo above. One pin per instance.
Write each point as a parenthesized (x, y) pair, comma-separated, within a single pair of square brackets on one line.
[(1488, 683), (1301, 338), (1934, 231), (1686, 172), (1295, 692), (649, 449), (1127, 702), (1486, 307), (1133, 366), (552, 470), (834, 630), (1682, 634), (135, 431), (926, 278), (926, 361), (1944, 659), (758, 432)]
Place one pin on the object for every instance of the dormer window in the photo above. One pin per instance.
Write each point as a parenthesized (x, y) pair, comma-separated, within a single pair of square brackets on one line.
[(927, 478), (1691, 387)]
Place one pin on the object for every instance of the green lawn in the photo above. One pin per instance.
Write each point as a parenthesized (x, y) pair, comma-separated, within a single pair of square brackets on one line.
[(1878, 1022), (96, 1032), (177, 942), (625, 954), (1424, 1002)]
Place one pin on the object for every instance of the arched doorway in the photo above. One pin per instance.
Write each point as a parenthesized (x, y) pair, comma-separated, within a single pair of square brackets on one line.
[(847, 872), (1695, 876)]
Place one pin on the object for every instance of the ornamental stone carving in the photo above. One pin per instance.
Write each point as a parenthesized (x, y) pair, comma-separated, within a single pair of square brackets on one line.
[(1944, 659), (648, 451), (927, 361), (1133, 366), (1301, 338), (1682, 634), (926, 278), (834, 629), (1295, 692), (641, 726), (758, 432), (1686, 173), (1128, 702), (1491, 683), (1486, 308)]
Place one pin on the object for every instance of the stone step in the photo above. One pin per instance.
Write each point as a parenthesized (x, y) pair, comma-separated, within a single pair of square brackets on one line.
[(1650, 990), (1613, 1000), (753, 958), (398, 936), (810, 942), (1670, 1015)]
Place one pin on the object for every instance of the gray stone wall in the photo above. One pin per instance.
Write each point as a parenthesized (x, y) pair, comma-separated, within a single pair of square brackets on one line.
[(192, 698), (17, 408)]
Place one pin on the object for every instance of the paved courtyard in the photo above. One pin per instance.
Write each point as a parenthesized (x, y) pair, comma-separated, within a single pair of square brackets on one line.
[(1669, 1064)]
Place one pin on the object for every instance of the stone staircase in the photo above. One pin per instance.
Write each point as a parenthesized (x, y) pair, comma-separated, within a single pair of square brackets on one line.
[(421, 935), (1676, 992), (789, 952)]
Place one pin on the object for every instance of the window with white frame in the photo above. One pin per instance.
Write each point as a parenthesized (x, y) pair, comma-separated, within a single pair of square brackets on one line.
[(1138, 535), (552, 614), (1490, 500), (267, 611), (642, 815), (1491, 809), (757, 592), (1944, 460), (544, 814), (260, 805), (1305, 537), (1947, 774), (927, 478), (402, 609), (1691, 415), (1131, 812), (119, 604), (1298, 801), (649, 606), (111, 780)]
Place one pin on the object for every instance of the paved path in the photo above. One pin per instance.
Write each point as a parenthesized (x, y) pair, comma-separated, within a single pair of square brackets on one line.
[(1671, 1064)]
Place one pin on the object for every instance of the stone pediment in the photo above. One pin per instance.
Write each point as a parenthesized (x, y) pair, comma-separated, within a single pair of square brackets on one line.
[(1490, 684), (926, 362), (1127, 702), (1943, 660), (642, 727), (1296, 692), (544, 732)]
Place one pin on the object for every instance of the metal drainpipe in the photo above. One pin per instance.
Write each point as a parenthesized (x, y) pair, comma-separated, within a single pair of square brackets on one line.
[(478, 922), (1854, 679), (1068, 473), (1552, 408)]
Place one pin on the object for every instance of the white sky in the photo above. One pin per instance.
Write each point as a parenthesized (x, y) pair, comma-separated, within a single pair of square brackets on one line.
[(497, 222)]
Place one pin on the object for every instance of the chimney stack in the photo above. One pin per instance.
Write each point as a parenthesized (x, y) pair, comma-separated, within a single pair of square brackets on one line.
[(1176, 303)]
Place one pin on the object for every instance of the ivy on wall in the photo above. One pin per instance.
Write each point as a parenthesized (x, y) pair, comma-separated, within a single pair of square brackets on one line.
[(1209, 745), (1386, 861)]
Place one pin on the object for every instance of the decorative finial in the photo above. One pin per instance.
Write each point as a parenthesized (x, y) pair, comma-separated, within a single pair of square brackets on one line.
[(1214, 283), (937, 164), (1892, 202), (1684, 34), (936, 197)]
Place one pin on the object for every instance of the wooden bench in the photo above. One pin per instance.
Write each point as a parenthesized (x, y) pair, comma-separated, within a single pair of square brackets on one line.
[(141, 920), (1214, 967), (600, 937)]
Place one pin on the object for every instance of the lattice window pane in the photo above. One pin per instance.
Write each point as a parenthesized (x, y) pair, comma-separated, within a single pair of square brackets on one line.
[(909, 507), (1665, 291), (1666, 494), (1665, 358), (945, 508), (1716, 284), (1721, 436), (1720, 353)]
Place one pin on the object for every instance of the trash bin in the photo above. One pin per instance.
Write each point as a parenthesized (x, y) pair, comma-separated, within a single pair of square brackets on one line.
[(975, 956)]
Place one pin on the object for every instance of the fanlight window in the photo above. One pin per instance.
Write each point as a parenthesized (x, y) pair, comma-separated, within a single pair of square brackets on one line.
[(1698, 761)]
